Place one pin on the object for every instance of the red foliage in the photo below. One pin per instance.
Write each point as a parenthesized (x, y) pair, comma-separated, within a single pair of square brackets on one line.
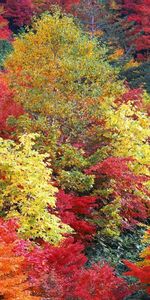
[(139, 12), (19, 11), (100, 282), (44, 5), (5, 33), (71, 208), (126, 185), (68, 4), (8, 107), (134, 96), (60, 272), (142, 273), (8, 231), (56, 272)]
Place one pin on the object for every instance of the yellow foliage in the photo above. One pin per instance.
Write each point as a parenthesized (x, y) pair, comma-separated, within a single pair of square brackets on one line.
[(54, 67), (27, 191), (130, 135), (114, 5), (146, 238), (131, 64), (117, 54)]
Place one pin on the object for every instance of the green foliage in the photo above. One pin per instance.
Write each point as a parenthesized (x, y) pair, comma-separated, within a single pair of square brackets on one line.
[(5, 49), (127, 246), (71, 157), (111, 223), (138, 76), (76, 181)]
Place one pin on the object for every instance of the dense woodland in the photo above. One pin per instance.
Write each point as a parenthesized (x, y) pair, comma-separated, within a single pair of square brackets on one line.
[(74, 149)]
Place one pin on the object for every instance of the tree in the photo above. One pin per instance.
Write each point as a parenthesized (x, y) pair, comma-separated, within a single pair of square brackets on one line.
[(60, 76), (139, 12), (71, 74), (26, 190), (5, 37), (52, 271), (123, 194), (5, 33), (8, 108), (74, 100), (138, 76), (46, 5), (19, 13), (13, 279), (77, 212)]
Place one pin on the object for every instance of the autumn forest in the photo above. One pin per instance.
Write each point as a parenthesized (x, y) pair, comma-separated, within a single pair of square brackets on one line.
[(74, 150)]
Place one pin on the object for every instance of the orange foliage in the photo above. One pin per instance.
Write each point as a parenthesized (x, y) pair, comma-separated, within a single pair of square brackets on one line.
[(13, 281)]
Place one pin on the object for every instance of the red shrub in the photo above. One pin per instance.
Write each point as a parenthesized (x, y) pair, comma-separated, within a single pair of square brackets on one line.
[(141, 271), (5, 33), (8, 107), (138, 11), (60, 272), (8, 231), (56, 272), (20, 12), (53, 269), (13, 278), (134, 96), (100, 282), (71, 208), (115, 173)]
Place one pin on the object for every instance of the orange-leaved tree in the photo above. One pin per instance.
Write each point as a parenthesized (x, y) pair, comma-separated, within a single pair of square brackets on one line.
[(13, 280)]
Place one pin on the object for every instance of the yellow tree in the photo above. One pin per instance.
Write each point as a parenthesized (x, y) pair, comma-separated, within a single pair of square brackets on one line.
[(60, 77), (27, 191), (54, 68)]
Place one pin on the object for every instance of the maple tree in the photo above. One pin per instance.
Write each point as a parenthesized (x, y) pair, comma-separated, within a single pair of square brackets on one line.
[(139, 13), (8, 108), (122, 193), (71, 208), (5, 37), (53, 271), (5, 32), (19, 13), (13, 280)]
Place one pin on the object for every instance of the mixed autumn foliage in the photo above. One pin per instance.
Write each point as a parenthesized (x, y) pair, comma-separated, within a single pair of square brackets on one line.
[(74, 147)]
